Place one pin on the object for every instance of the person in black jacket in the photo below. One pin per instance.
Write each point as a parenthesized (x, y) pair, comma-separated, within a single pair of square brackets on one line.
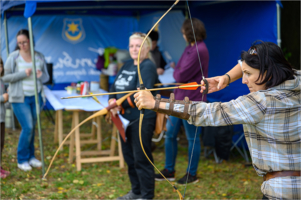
[(156, 54), (140, 170)]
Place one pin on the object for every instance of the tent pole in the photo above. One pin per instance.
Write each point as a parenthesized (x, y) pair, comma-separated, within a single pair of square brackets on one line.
[(6, 34), (36, 92), (278, 25)]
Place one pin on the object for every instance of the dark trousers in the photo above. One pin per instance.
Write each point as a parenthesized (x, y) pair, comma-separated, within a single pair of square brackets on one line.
[(140, 170), (2, 135), (264, 197)]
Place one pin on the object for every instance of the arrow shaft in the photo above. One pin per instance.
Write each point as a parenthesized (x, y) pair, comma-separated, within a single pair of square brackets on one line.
[(124, 92), (160, 84)]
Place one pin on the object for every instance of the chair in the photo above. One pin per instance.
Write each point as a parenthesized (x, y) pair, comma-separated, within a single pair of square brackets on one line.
[(212, 150), (219, 139)]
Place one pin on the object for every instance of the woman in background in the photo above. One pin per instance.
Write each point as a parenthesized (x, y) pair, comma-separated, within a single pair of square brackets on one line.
[(140, 170), (187, 70), (19, 75)]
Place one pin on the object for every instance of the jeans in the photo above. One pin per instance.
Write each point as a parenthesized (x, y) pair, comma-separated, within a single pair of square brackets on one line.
[(171, 144), (27, 117), (140, 170)]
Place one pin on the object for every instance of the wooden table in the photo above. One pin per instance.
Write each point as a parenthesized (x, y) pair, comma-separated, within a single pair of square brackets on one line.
[(78, 139)]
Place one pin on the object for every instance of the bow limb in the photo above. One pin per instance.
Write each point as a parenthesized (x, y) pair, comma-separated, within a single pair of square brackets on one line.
[(142, 87), (97, 114), (138, 65)]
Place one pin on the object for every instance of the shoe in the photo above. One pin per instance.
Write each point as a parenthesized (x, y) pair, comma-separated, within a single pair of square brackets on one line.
[(24, 166), (130, 195), (35, 162), (191, 179), (4, 171), (169, 175), (3, 175)]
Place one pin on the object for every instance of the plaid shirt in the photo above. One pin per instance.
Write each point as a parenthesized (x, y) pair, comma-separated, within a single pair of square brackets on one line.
[(272, 126)]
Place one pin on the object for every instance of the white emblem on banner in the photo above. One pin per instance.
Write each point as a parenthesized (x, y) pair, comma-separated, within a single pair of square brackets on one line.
[(73, 30)]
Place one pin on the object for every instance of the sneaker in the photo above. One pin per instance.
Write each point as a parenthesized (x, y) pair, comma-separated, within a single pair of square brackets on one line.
[(130, 195), (4, 171), (35, 162), (3, 175), (169, 175), (24, 166), (191, 179)]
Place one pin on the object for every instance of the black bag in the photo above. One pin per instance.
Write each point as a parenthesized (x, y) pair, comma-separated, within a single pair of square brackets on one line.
[(220, 138)]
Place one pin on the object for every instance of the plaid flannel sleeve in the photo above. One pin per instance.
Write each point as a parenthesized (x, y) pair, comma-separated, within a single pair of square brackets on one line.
[(248, 109)]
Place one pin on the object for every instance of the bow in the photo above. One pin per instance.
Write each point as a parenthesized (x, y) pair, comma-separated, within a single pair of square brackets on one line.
[(99, 113), (142, 87)]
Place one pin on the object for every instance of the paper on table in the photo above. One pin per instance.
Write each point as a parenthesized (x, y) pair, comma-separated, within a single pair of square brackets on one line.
[(55, 103), (125, 123), (167, 76), (87, 104)]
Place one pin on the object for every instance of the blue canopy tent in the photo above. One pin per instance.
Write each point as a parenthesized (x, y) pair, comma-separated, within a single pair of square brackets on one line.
[(101, 25), (42, 24), (231, 26)]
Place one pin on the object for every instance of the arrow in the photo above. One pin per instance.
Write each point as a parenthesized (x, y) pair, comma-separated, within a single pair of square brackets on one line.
[(188, 86)]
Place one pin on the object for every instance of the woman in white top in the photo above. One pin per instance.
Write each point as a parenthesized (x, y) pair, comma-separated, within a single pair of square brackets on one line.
[(19, 75)]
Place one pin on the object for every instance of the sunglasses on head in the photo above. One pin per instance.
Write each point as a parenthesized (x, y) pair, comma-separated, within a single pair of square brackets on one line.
[(252, 51), (140, 34)]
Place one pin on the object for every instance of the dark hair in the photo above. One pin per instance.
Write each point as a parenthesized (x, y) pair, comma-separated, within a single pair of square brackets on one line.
[(1, 63), (154, 35), (199, 30), (22, 32), (269, 59)]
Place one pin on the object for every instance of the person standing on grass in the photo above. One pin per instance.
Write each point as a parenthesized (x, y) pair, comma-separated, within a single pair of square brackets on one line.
[(140, 170), (156, 53), (270, 114), (19, 75), (3, 99), (187, 70)]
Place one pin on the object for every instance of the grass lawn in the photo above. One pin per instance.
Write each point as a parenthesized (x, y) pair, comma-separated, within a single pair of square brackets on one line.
[(228, 180)]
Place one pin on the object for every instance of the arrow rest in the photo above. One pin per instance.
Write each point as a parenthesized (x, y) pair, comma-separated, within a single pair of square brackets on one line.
[(206, 85)]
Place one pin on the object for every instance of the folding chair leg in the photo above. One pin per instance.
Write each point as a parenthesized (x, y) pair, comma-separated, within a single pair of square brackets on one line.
[(245, 152), (207, 152), (240, 152), (217, 159)]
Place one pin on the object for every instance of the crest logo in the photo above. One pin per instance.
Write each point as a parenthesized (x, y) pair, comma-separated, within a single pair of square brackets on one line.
[(73, 30)]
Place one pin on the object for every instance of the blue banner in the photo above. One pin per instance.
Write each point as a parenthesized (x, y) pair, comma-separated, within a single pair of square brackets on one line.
[(71, 42)]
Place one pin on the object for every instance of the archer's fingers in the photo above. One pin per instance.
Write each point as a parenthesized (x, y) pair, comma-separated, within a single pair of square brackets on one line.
[(220, 83), (138, 104), (203, 88)]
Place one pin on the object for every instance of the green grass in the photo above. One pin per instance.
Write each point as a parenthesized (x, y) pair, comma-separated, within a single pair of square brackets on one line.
[(228, 180)]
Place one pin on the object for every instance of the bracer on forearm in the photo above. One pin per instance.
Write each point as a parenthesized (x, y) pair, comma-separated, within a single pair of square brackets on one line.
[(176, 108)]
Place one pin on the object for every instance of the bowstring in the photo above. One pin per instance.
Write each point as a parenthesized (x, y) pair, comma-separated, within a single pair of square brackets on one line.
[(196, 130)]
